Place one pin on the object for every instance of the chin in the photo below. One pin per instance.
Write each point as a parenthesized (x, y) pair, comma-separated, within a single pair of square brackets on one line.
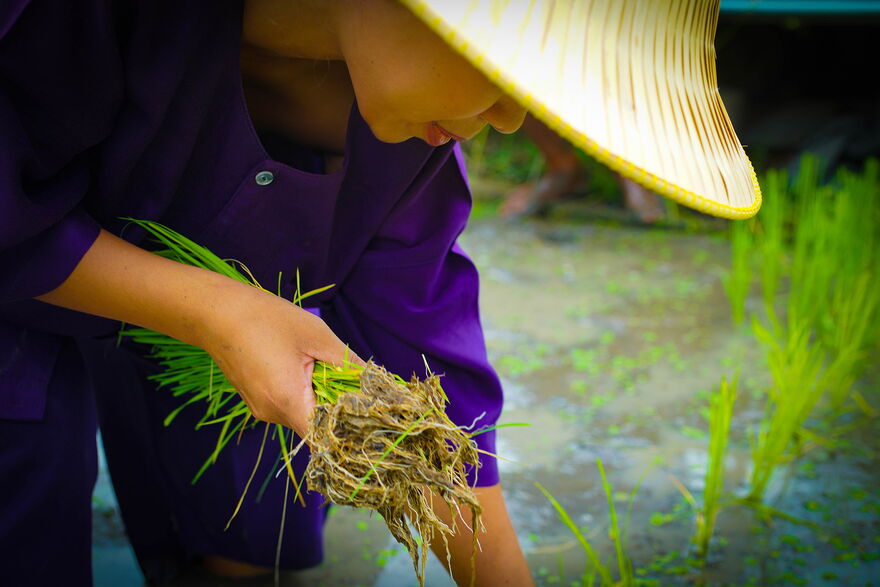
[(388, 132), (390, 136)]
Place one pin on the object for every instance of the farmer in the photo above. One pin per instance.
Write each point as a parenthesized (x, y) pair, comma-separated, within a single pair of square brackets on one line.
[(290, 135)]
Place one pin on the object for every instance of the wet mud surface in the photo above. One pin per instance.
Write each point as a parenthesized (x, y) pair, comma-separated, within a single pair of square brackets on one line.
[(609, 340)]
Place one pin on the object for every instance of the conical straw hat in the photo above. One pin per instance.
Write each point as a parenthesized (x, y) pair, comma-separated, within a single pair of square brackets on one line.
[(631, 82)]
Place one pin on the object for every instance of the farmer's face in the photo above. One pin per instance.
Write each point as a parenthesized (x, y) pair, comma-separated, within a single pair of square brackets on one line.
[(409, 83)]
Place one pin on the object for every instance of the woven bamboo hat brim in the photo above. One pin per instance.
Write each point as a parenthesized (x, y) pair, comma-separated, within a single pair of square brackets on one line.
[(631, 82)]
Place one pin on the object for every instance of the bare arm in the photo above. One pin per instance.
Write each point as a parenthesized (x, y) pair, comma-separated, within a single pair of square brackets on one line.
[(266, 346), (500, 560)]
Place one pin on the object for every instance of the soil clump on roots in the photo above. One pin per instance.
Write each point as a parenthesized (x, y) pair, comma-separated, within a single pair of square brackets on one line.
[(386, 448)]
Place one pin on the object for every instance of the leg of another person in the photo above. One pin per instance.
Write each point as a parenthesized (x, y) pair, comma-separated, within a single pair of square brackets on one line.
[(562, 173), (645, 204), (47, 472)]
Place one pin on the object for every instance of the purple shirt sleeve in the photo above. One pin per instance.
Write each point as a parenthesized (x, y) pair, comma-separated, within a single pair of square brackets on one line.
[(57, 101)]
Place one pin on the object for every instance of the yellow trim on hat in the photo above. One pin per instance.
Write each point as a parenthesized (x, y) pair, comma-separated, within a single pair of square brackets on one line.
[(617, 163)]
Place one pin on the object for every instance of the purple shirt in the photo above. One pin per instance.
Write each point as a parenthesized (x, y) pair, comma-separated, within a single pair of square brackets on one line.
[(137, 110)]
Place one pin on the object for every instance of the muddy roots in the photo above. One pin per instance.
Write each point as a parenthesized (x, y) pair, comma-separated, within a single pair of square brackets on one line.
[(388, 446)]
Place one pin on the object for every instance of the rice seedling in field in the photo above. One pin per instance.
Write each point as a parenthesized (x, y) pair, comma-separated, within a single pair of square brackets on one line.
[(738, 281), (817, 244), (800, 378), (771, 245), (624, 564), (380, 442), (821, 240), (850, 328), (594, 565), (720, 413), (835, 276)]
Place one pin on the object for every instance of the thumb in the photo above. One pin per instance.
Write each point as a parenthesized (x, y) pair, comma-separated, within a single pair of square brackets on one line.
[(299, 419), (331, 350)]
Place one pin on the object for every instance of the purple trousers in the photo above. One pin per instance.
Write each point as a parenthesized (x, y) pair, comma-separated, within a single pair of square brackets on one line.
[(170, 519), (48, 470)]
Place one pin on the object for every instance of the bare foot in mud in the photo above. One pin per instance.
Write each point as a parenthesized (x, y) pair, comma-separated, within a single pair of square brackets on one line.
[(534, 197), (645, 204)]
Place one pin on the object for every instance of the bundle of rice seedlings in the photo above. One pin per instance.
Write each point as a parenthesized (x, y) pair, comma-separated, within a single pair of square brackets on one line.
[(376, 441)]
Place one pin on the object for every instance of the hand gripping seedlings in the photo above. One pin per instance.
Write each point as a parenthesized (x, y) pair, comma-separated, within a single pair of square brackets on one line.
[(376, 441)]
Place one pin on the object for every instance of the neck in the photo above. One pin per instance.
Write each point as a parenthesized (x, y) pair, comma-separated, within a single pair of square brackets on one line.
[(294, 80), (299, 29)]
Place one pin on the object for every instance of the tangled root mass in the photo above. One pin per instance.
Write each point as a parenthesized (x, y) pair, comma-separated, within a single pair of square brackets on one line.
[(386, 448)]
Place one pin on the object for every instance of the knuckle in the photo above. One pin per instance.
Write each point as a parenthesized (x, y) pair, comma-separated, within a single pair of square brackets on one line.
[(259, 413)]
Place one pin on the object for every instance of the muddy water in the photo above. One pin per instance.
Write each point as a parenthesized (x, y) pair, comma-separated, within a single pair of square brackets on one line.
[(608, 340)]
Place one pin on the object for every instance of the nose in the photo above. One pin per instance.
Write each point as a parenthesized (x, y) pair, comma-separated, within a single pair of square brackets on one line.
[(505, 115)]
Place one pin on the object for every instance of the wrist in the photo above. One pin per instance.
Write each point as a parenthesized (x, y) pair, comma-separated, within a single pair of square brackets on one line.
[(217, 311)]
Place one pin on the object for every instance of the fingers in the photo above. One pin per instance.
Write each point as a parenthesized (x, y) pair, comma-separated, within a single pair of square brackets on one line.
[(299, 418), (287, 404), (353, 358), (330, 349), (272, 359)]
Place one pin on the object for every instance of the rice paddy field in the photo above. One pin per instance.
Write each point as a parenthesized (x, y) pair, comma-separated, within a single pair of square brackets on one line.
[(702, 397)]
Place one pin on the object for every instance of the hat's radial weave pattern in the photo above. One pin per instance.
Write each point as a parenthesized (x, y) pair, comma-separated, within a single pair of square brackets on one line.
[(632, 82)]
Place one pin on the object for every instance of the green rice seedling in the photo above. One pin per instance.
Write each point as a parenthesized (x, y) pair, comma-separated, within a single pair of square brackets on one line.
[(831, 313), (595, 566), (815, 253), (379, 442), (624, 564), (738, 281), (835, 279), (834, 240), (872, 178), (832, 303), (853, 222), (800, 378), (849, 341), (771, 245), (849, 330), (720, 413)]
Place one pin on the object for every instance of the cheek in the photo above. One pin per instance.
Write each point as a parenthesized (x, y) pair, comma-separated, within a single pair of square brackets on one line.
[(373, 105), (398, 102), (393, 111)]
